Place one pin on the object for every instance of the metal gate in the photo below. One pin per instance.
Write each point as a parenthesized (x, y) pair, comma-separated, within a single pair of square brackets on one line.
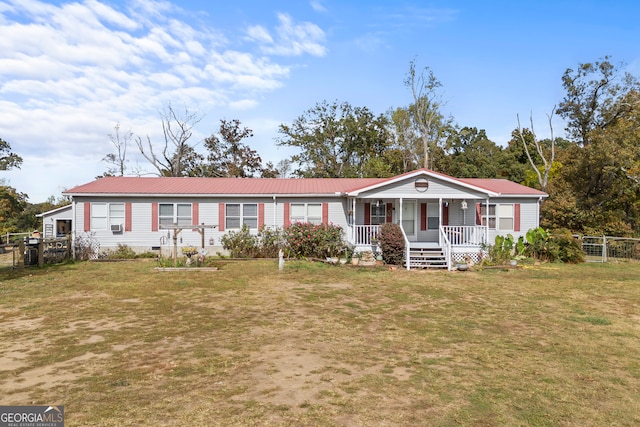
[(609, 248)]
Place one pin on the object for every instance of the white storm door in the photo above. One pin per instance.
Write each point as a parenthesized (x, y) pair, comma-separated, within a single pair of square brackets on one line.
[(409, 219)]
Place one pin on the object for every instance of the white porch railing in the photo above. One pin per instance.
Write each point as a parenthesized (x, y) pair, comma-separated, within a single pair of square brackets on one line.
[(446, 246), (464, 235), (364, 233)]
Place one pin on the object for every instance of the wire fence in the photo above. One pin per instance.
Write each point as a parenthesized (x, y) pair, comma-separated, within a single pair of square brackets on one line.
[(609, 248)]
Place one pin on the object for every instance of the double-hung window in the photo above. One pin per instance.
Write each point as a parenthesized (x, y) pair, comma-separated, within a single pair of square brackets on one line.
[(505, 217), (500, 217), (490, 217), (104, 215), (433, 216), (174, 213), (306, 212), (99, 218), (239, 214)]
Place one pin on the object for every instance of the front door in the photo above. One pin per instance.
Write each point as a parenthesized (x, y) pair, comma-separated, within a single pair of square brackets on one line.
[(409, 219)]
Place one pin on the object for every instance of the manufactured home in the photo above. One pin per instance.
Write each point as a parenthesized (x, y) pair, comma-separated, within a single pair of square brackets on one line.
[(444, 219)]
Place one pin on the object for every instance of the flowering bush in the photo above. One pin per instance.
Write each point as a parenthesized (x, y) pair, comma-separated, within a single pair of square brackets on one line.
[(392, 244), (244, 244), (304, 239)]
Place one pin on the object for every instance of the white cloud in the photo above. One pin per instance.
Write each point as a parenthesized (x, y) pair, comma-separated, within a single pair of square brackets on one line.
[(291, 40), (317, 6), (70, 71)]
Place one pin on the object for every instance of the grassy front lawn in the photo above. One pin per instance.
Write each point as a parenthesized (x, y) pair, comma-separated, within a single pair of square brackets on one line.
[(120, 344)]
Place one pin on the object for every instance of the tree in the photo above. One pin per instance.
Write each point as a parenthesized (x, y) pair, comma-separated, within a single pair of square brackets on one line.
[(427, 102), (471, 154), (338, 140), (546, 153), (12, 204), (228, 156), (8, 160), (117, 162), (596, 96), (407, 141), (177, 129)]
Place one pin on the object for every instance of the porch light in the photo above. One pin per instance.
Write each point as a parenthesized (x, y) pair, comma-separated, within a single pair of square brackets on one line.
[(463, 205)]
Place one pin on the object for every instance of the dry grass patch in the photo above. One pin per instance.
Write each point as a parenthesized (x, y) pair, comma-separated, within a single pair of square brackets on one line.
[(121, 344)]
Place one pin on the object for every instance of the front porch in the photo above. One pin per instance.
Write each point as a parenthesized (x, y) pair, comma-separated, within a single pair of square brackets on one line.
[(454, 244)]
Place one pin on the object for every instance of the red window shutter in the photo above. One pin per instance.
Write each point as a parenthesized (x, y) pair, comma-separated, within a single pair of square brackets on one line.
[(87, 216), (478, 214), (260, 215), (154, 217), (445, 214), (325, 213), (516, 217), (423, 216), (367, 214), (195, 213), (286, 220), (127, 216), (389, 212), (221, 216)]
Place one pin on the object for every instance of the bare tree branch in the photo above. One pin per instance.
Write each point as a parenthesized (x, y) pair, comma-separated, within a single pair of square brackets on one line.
[(547, 158)]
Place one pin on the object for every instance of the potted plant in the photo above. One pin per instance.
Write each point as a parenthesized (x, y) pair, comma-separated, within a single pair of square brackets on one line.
[(355, 259)]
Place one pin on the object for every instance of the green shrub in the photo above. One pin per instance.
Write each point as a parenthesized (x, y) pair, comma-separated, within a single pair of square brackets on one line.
[(241, 244), (304, 239), (122, 251), (556, 246), (569, 248), (502, 250), (392, 244), (147, 254), (269, 242)]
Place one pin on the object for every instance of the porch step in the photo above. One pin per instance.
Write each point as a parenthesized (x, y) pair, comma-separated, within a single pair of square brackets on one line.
[(427, 258)]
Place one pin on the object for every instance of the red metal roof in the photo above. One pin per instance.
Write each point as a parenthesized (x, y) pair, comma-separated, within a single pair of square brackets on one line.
[(274, 186), (503, 186), (228, 186)]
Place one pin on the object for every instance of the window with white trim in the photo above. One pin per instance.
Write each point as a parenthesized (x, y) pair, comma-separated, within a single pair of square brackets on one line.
[(174, 213), (239, 214), (99, 216), (501, 217), (306, 212), (378, 213), (490, 217), (433, 216), (505, 217), (104, 215), (116, 214)]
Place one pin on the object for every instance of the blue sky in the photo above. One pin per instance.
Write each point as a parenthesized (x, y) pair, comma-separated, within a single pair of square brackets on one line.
[(70, 71)]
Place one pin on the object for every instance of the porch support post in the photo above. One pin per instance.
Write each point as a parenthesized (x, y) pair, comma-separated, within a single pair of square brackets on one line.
[(440, 242), (486, 221), (353, 219)]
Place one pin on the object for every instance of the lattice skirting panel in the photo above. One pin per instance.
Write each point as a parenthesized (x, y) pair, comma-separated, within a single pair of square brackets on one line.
[(476, 257)]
